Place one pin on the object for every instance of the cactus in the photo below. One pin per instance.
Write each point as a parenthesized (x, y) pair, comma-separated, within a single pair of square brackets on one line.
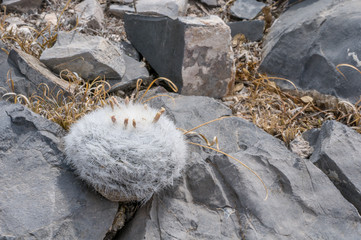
[(126, 151)]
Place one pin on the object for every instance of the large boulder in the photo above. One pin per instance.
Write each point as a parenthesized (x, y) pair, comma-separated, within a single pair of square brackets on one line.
[(195, 53), (308, 41), (338, 154), (40, 196), (218, 198), (88, 56)]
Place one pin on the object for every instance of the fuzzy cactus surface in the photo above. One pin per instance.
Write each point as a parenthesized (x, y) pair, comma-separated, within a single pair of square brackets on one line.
[(126, 151)]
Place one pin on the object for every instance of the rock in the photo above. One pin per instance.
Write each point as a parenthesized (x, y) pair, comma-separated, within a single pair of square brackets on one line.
[(22, 6), (40, 197), (217, 198), (88, 56), (305, 45), (119, 10), (37, 73), (195, 53), (252, 30), (170, 8), (11, 79), (246, 9), (337, 154), (90, 13), (134, 70), (211, 3)]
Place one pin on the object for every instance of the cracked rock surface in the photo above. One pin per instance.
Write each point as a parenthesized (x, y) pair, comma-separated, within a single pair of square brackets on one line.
[(217, 198)]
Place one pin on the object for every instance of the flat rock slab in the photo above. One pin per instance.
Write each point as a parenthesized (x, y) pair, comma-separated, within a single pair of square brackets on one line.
[(338, 154), (305, 45), (88, 56), (246, 9), (252, 30), (37, 73), (171, 8), (90, 13), (40, 197), (195, 53), (23, 6), (218, 198)]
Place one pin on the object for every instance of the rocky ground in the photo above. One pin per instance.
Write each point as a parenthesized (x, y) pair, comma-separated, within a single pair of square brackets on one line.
[(281, 66)]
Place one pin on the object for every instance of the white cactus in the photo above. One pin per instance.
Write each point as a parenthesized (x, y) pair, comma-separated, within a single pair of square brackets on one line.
[(126, 151)]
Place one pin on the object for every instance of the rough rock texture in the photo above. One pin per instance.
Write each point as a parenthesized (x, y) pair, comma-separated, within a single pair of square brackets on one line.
[(338, 154), (37, 73), (40, 197), (90, 13), (308, 41), (195, 53), (88, 56), (252, 30), (171, 8), (134, 70), (246, 9), (119, 10), (219, 199), (211, 3), (23, 6), (8, 71)]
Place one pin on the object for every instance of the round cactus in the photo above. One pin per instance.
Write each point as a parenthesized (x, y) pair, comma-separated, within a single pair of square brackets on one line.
[(126, 151)]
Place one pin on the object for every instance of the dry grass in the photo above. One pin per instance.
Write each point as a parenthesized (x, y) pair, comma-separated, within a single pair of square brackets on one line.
[(28, 39), (65, 108), (284, 114)]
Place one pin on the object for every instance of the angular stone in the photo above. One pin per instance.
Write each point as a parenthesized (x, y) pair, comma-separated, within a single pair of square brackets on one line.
[(170, 8), (90, 13), (195, 53), (246, 9), (37, 73), (134, 70), (119, 10), (305, 45), (11, 79), (252, 30), (40, 196), (338, 154), (211, 3), (229, 200), (88, 56), (23, 6)]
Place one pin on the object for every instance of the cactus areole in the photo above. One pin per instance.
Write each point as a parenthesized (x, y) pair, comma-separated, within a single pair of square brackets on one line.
[(126, 151)]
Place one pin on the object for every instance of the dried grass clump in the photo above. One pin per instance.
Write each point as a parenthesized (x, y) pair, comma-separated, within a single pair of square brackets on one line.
[(62, 107), (28, 39), (283, 114)]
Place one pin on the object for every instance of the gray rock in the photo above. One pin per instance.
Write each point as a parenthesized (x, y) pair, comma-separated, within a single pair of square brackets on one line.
[(8, 72), (195, 53), (246, 9), (338, 154), (170, 8), (134, 70), (211, 3), (90, 13), (88, 56), (23, 6), (252, 30), (305, 45), (37, 73), (40, 197), (119, 10), (219, 199)]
